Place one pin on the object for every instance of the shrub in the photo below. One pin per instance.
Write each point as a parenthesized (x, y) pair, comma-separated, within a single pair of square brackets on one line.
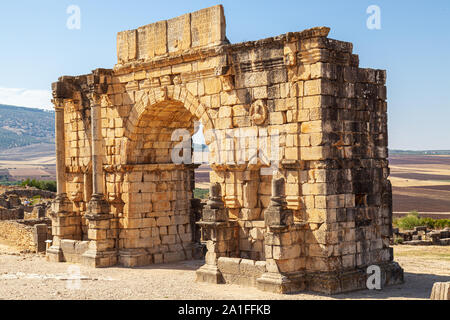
[(201, 193), (42, 185), (413, 220), (442, 223), (409, 222), (429, 223)]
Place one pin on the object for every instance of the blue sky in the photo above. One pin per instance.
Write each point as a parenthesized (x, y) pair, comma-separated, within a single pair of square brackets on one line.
[(413, 45)]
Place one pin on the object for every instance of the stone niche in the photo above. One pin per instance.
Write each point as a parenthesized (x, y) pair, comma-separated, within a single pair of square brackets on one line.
[(297, 136)]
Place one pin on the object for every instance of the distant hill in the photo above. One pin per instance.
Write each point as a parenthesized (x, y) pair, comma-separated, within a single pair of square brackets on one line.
[(20, 127), (420, 152)]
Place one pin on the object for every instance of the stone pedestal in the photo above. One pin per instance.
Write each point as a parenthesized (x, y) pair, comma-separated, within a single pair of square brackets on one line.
[(351, 280), (284, 253), (65, 225), (101, 251), (130, 258), (220, 234), (210, 274), (279, 283), (221, 243)]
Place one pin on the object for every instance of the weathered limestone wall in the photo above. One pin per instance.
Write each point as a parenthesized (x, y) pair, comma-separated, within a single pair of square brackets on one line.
[(21, 235), (156, 214)]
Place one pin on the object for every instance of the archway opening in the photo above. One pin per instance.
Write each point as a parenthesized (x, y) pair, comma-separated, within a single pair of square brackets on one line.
[(161, 183), (155, 137)]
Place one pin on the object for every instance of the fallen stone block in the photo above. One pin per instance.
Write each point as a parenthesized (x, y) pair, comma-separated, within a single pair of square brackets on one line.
[(229, 265)]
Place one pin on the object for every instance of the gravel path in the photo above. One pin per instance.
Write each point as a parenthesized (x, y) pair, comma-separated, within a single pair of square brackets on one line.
[(28, 276)]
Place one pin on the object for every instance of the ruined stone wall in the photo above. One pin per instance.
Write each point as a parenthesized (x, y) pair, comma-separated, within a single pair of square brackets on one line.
[(30, 193), (24, 234), (11, 214)]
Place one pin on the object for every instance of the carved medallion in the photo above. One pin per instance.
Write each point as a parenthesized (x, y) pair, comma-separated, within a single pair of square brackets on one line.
[(258, 112)]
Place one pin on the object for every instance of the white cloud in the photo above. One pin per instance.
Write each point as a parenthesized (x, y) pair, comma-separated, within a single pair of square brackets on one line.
[(26, 98)]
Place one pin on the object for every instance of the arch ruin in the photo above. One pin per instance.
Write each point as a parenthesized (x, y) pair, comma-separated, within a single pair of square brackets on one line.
[(312, 215)]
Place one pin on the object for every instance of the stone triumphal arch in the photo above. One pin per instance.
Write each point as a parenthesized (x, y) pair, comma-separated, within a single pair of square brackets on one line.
[(313, 213)]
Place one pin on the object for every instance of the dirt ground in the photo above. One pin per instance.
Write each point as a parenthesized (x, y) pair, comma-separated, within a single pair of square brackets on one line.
[(29, 276)]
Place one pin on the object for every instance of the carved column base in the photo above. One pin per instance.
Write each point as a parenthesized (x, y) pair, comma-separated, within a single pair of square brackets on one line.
[(130, 258), (221, 243), (279, 283), (54, 254), (98, 205), (209, 274), (61, 205), (101, 252), (99, 259)]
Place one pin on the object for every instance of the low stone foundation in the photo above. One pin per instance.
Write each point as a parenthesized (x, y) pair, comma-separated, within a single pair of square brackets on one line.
[(251, 273), (422, 236), (241, 271), (74, 251)]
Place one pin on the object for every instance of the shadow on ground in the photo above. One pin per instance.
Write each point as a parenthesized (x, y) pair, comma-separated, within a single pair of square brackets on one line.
[(416, 285)]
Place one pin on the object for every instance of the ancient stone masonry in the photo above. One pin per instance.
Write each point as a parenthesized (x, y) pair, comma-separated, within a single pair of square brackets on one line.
[(422, 236), (27, 226), (297, 134)]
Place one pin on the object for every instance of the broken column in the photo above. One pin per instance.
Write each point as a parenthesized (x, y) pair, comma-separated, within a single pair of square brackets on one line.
[(220, 233)]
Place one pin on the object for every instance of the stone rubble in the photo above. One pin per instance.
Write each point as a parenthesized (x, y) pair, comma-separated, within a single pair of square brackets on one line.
[(423, 236)]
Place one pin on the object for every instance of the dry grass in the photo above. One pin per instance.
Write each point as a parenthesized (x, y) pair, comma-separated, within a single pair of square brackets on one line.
[(427, 252)]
